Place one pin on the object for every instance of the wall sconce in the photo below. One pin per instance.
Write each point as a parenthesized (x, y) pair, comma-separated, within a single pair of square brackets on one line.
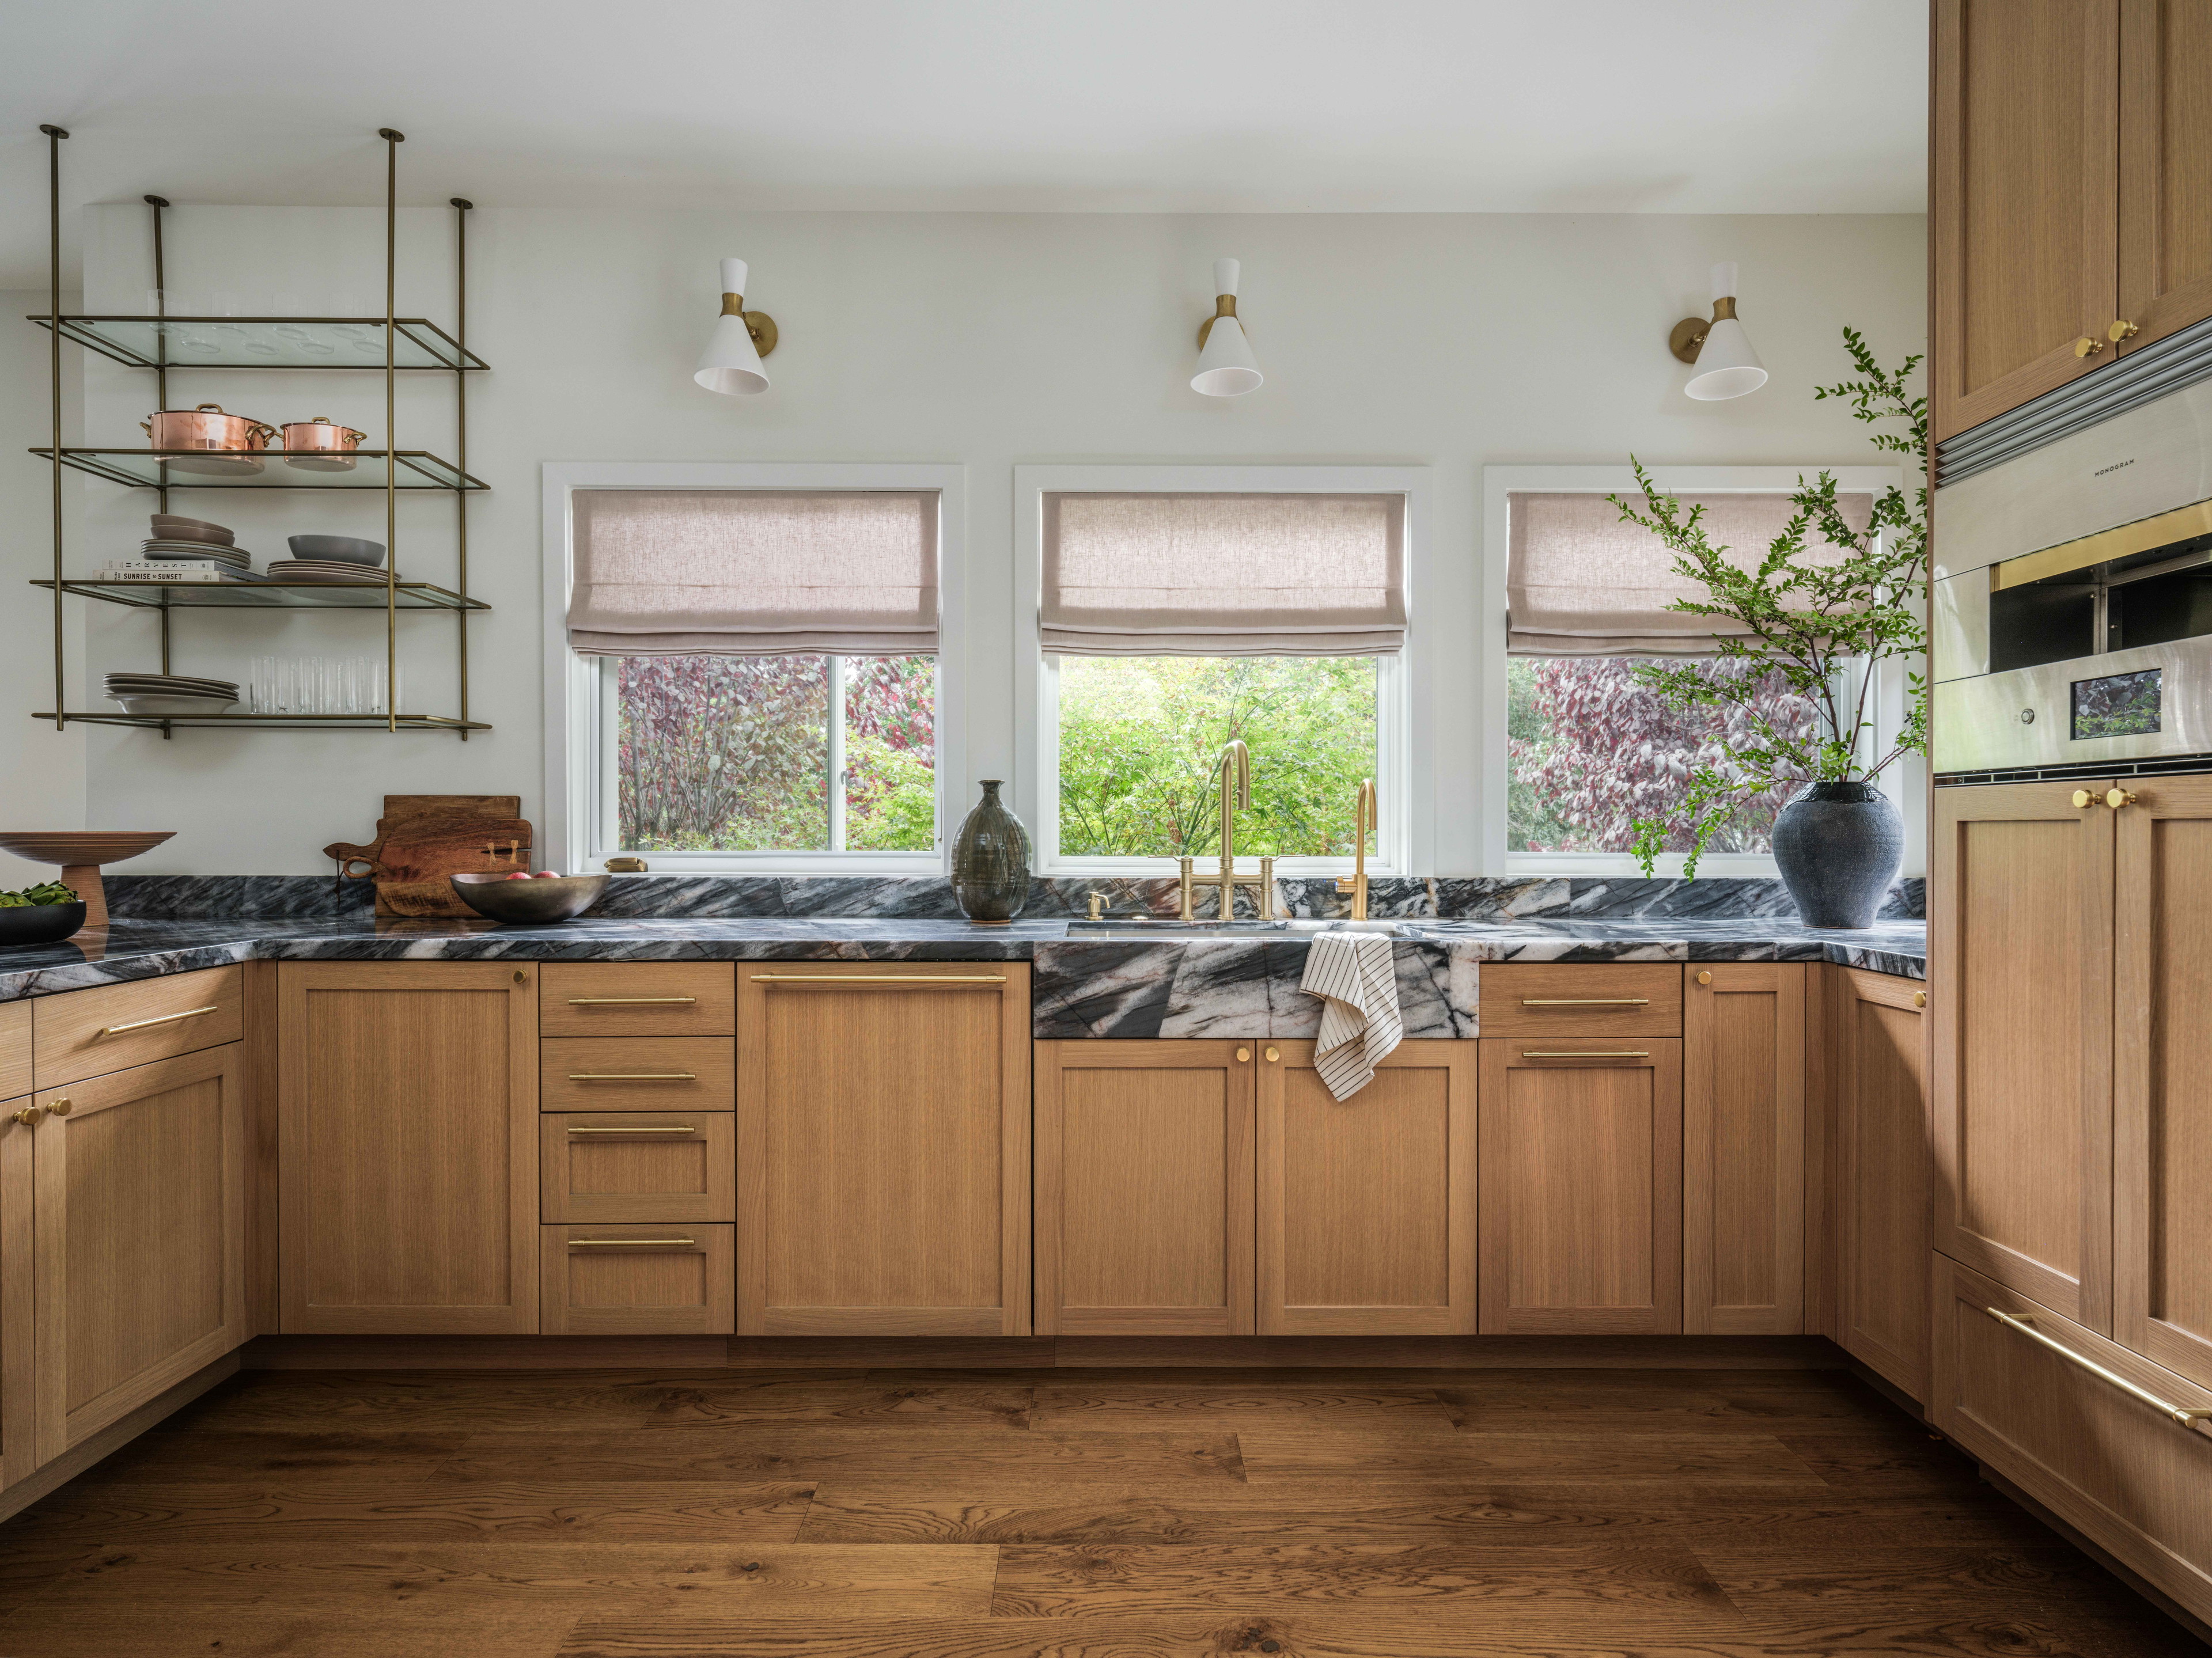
[(1226, 366), (731, 361), (1727, 365)]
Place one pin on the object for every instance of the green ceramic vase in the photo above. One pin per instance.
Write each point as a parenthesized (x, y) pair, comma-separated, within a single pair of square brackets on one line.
[(991, 860)]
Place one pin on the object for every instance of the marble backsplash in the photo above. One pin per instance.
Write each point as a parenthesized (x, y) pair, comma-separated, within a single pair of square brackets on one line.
[(1499, 899)]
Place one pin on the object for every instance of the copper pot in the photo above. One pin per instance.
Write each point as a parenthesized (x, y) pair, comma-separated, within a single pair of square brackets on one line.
[(317, 445), (227, 440)]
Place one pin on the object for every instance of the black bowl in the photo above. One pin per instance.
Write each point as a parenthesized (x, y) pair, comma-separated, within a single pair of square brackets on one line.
[(39, 924)]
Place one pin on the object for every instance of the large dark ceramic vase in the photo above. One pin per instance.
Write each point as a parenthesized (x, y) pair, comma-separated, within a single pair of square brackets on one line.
[(1838, 846), (991, 860)]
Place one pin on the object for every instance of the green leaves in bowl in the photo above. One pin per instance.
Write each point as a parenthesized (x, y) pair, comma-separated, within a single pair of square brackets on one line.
[(47, 892)]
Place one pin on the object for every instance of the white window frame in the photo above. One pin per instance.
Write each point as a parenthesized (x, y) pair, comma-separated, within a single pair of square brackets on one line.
[(580, 699), (1404, 726), (1904, 783)]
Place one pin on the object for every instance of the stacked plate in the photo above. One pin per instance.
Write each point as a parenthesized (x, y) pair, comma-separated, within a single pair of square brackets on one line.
[(323, 569), (171, 693), (197, 552)]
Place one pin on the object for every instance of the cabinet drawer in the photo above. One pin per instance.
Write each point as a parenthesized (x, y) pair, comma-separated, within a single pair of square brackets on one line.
[(15, 1049), (638, 1165), (88, 1033), (637, 1073), (1584, 998), (2112, 1465), (638, 1280), (637, 998)]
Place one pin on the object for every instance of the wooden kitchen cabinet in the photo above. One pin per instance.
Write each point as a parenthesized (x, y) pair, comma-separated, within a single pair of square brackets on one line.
[(19, 1453), (2162, 1073), (1146, 1187), (1878, 1182), (1582, 1186), (1367, 1204), (139, 1222), (637, 1280), (2073, 148), (883, 1148), (1743, 1148), (2021, 1015), (409, 1147)]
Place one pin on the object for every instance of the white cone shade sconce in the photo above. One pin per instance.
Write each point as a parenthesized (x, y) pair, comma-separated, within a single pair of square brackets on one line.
[(731, 361), (1727, 365), (1226, 366)]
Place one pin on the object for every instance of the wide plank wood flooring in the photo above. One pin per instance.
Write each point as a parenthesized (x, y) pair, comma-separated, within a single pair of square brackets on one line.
[(1126, 1514)]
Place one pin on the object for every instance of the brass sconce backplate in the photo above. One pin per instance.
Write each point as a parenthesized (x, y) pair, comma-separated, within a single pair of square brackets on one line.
[(1689, 337)]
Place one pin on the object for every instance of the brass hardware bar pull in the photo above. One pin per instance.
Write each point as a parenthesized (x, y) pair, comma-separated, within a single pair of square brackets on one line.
[(879, 979), (1587, 1054), (1585, 1001), (633, 1076), (632, 1244), (2187, 1415), (632, 1001), (686, 1129), (166, 1018)]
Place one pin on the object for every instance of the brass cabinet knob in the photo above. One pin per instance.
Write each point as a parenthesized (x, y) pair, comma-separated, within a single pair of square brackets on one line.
[(2118, 798), (1920, 998), (1273, 1055), (2083, 797), (2122, 329), (29, 1116), (1243, 1056), (520, 977), (1705, 978), (2087, 347), (59, 1108)]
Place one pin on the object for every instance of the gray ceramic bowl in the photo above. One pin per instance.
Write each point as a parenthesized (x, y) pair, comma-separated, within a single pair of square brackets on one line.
[(40, 924), (347, 549), (532, 902)]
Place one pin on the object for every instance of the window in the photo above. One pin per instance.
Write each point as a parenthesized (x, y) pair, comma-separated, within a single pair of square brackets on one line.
[(752, 668), (1581, 749), (1178, 608), (748, 754)]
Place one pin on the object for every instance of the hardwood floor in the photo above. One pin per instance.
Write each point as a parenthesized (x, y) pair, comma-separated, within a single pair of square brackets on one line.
[(1129, 1514)]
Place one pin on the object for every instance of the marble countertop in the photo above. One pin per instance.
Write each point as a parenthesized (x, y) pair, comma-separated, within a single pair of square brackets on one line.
[(1438, 951)]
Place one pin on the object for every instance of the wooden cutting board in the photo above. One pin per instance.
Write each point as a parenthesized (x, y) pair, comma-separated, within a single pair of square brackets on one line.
[(423, 838)]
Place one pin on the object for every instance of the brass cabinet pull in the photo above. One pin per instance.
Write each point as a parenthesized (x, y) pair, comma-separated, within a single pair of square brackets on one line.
[(60, 1108), (29, 1116), (1273, 1054), (2122, 329), (1705, 978), (166, 1018), (1920, 998), (633, 1076), (632, 1244), (1243, 1056), (2083, 797), (2185, 1415), (684, 1129), (2118, 798), (631, 1001), (879, 978), (2087, 347), (1585, 1001), (1586, 1053)]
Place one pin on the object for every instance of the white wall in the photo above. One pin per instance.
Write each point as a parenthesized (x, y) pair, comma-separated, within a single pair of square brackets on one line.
[(1447, 341), (41, 769)]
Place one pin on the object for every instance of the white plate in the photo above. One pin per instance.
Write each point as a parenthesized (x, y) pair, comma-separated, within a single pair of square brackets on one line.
[(134, 702)]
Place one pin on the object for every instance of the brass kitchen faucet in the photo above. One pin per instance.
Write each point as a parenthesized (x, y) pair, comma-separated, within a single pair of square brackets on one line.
[(1235, 768)]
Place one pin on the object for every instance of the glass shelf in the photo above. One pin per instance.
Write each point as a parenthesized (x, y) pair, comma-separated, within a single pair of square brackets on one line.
[(141, 469), (263, 595), (275, 722), (266, 342)]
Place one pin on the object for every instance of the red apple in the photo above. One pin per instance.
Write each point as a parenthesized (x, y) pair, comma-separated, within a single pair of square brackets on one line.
[(548, 875), (519, 875)]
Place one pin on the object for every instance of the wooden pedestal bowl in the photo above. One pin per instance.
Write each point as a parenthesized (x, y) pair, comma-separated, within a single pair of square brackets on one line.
[(81, 852)]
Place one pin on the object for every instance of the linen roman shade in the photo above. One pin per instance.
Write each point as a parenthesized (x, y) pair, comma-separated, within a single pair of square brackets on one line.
[(1166, 575), (753, 573), (1581, 581)]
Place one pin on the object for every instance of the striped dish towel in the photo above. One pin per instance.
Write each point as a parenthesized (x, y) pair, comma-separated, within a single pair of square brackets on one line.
[(1359, 1021)]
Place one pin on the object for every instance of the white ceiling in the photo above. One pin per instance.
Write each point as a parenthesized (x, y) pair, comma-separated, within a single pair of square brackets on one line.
[(1009, 105)]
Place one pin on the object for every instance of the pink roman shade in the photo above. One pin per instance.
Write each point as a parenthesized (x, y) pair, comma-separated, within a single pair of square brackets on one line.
[(1581, 581), (1223, 575), (753, 573)]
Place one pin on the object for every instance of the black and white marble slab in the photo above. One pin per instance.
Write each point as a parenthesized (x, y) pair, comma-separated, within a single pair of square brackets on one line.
[(1123, 987)]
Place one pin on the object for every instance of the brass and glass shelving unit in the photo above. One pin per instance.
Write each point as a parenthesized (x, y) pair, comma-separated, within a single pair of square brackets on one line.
[(389, 345)]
